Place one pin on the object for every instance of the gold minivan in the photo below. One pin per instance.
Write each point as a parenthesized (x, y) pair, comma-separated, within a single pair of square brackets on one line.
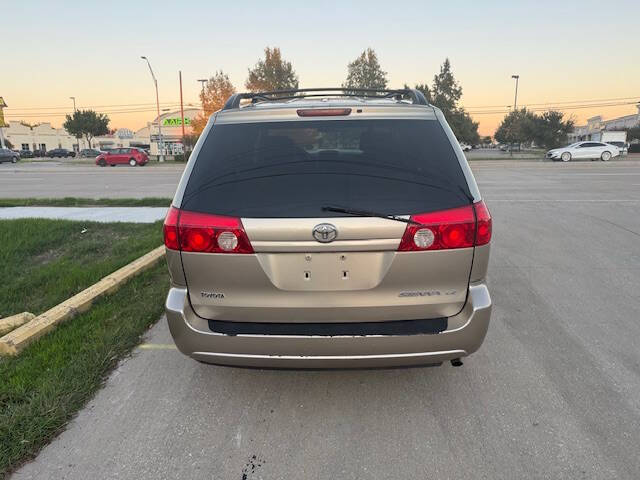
[(326, 228)]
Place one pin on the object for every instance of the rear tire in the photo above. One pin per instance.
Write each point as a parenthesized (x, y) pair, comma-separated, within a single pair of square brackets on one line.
[(565, 157), (102, 162), (132, 162), (605, 156), (14, 159)]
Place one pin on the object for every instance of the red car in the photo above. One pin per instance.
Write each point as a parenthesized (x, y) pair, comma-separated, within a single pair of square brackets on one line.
[(130, 155)]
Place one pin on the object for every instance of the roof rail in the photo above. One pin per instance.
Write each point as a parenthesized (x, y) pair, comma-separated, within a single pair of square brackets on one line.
[(413, 94)]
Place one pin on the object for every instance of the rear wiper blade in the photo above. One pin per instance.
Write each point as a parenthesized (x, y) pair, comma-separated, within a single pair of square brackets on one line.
[(366, 213)]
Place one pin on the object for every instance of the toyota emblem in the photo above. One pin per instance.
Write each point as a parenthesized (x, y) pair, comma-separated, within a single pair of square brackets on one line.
[(325, 233)]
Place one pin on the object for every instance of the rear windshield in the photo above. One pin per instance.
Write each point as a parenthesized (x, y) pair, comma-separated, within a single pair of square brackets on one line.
[(293, 169)]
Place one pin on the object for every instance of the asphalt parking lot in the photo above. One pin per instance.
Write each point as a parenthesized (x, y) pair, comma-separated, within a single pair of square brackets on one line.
[(553, 393), (57, 178)]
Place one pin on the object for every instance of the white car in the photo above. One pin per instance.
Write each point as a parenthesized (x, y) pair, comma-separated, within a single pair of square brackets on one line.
[(465, 147), (592, 150)]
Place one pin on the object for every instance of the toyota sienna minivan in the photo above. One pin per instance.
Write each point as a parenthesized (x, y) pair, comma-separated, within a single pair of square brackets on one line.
[(326, 228)]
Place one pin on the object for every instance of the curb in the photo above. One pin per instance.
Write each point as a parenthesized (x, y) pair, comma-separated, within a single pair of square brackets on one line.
[(9, 323), (14, 342)]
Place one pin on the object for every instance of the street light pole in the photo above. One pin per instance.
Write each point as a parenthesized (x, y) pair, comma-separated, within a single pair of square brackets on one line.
[(74, 111), (202, 81), (160, 141), (515, 108)]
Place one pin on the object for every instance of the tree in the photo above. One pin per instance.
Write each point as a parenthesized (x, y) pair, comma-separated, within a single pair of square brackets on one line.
[(516, 127), (547, 130), (87, 124), (365, 72), (445, 94), (463, 126), (216, 92), (190, 141), (422, 87), (550, 130), (272, 73), (633, 133), (446, 91), (8, 144)]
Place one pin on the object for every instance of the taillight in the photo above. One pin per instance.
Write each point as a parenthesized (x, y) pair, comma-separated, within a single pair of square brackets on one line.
[(483, 232), (200, 232), (448, 229), (170, 229)]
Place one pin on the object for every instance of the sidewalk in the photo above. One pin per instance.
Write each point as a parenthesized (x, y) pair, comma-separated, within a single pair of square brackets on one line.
[(92, 214)]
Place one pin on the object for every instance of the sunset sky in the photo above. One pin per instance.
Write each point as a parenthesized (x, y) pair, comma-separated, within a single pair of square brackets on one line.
[(583, 52)]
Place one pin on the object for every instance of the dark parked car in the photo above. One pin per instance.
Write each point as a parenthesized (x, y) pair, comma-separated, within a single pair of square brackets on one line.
[(25, 153), (39, 153), (89, 153), (130, 155), (60, 153), (7, 155), (622, 146)]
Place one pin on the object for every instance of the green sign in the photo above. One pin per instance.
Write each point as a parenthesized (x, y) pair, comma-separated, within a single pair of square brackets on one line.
[(175, 122)]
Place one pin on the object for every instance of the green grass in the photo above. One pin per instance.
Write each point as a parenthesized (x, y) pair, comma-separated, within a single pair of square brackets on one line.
[(43, 262), (85, 202)]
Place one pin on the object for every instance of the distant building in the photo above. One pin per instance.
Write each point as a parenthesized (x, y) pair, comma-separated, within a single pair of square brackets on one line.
[(45, 137), (595, 125), (39, 137), (171, 128)]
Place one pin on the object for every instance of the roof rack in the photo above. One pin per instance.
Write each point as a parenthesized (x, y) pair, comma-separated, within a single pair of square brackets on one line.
[(413, 94)]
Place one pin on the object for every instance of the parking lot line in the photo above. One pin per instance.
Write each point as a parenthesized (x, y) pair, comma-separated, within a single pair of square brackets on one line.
[(157, 346)]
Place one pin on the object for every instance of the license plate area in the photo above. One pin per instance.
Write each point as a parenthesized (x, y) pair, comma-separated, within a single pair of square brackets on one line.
[(326, 271)]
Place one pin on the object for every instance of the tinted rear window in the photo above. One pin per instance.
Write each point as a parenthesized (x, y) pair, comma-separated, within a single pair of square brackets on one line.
[(293, 169)]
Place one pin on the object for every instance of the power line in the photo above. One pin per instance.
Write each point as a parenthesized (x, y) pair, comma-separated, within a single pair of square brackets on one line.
[(118, 109), (557, 107), (15, 110), (166, 104), (560, 102), (62, 114)]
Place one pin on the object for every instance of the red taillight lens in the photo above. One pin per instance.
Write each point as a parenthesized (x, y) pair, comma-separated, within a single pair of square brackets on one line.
[(483, 233), (170, 229), (448, 229), (200, 232)]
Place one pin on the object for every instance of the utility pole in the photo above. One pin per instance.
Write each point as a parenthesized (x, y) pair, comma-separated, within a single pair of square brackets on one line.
[(74, 111), (160, 141), (2, 124)]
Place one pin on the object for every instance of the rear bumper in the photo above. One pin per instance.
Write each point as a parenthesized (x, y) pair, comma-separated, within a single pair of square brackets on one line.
[(463, 336)]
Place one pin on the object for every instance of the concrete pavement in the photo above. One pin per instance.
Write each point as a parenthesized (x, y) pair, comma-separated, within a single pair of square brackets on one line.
[(553, 393), (92, 214)]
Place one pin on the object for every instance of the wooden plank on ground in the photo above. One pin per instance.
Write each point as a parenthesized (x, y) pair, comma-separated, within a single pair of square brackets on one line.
[(14, 321), (15, 341)]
